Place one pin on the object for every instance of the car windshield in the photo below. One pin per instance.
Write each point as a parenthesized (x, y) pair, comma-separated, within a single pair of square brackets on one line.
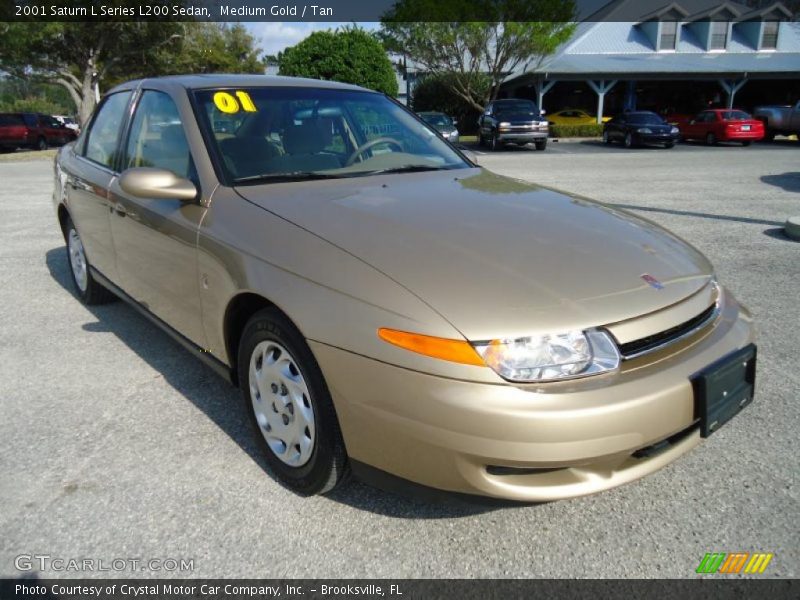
[(524, 107), (437, 120), (290, 133), (644, 119), (736, 115)]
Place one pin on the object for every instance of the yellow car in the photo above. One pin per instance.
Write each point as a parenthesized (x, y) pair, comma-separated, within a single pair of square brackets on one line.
[(573, 116)]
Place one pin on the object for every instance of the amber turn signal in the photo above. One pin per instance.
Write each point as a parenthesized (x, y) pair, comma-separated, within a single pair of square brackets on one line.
[(458, 351)]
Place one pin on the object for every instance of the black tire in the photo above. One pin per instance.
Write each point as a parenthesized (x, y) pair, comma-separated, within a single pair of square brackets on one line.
[(606, 138), (711, 139), (494, 143), (541, 146), (769, 136), (41, 144), (327, 465), (669, 145), (93, 293), (746, 143), (629, 140), (481, 141)]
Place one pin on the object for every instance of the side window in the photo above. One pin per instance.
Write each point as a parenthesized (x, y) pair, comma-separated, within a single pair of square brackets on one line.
[(157, 138), (103, 136), (30, 121)]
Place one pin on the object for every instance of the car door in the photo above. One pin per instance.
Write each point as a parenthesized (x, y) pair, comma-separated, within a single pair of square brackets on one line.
[(89, 170), (616, 128), (156, 238)]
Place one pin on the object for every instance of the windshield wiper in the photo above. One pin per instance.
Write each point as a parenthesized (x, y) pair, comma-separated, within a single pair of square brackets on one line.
[(407, 169), (292, 176)]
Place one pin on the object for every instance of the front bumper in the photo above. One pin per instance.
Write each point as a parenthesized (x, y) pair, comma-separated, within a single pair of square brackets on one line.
[(519, 137), (656, 138), (527, 443)]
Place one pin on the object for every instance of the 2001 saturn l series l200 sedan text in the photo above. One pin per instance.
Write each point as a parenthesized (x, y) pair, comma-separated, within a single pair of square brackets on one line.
[(389, 308)]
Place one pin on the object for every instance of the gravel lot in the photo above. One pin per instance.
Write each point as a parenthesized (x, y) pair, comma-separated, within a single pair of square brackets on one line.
[(115, 443)]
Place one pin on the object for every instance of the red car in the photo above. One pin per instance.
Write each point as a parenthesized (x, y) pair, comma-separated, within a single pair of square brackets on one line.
[(723, 125), (32, 130)]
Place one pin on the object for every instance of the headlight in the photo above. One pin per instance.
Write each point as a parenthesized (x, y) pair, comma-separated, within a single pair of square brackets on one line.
[(644, 130), (551, 357), (674, 130), (504, 124)]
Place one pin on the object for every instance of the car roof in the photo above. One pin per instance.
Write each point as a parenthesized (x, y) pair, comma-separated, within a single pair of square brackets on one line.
[(226, 80)]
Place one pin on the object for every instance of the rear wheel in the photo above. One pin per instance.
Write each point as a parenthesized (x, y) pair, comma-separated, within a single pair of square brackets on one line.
[(746, 143), (628, 140), (41, 144), (606, 138), (88, 290), (290, 406), (711, 139)]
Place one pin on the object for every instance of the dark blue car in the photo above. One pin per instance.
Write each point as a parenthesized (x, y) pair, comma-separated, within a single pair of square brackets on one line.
[(638, 128)]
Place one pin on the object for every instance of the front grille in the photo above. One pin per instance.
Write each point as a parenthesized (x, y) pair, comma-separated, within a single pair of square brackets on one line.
[(657, 340)]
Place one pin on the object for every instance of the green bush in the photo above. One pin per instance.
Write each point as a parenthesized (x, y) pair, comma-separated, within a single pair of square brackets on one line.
[(350, 55), (566, 131)]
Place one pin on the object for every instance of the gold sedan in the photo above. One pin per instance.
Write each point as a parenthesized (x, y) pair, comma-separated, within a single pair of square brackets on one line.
[(387, 307)]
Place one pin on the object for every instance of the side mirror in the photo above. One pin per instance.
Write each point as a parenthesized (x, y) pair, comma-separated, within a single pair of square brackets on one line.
[(455, 121), (146, 182), (543, 112)]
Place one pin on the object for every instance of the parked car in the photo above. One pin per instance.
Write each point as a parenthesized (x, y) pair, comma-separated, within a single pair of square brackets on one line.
[(779, 120), (401, 314), (69, 122), (442, 123), (723, 125), (512, 121), (573, 116), (32, 130), (640, 127)]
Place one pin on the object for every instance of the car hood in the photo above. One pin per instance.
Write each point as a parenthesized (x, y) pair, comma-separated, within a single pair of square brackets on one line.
[(494, 256)]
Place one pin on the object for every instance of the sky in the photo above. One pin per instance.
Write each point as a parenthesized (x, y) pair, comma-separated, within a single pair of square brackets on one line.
[(274, 37)]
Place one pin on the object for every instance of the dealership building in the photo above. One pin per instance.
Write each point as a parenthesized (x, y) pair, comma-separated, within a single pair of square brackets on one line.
[(665, 56)]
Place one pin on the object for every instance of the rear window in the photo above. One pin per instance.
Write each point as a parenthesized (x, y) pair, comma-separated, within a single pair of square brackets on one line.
[(10, 120), (736, 115)]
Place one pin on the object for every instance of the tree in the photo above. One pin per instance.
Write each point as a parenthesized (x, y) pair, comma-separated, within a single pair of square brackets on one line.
[(436, 92), (349, 55), (442, 37), (80, 56)]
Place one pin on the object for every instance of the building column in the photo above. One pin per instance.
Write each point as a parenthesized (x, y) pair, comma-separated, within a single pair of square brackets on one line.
[(542, 87), (731, 86), (630, 96), (601, 88)]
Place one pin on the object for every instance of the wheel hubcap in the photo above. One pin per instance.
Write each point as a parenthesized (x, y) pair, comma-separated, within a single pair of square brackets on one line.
[(282, 403), (77, 259)]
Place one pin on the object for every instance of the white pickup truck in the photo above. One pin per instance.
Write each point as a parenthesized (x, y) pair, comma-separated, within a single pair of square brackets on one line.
[(779, 120)]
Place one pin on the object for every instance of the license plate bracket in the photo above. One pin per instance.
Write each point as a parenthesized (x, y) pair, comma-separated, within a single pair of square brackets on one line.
[(724, 388)]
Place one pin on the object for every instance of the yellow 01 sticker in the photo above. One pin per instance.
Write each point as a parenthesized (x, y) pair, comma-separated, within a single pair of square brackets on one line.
[(231, 104)]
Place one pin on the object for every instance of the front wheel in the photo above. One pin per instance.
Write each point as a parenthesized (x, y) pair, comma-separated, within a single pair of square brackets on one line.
[(541, 145), (628, 140), (606, 138), (88, 290), (494, 143), (41, 144), (669, 145), (711, 139), (290, 407)]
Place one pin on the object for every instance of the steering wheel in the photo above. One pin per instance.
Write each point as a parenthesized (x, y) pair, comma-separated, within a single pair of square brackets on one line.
[(371, 144)]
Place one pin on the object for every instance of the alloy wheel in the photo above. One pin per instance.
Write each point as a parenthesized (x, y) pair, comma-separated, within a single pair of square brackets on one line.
[(77, 260)]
